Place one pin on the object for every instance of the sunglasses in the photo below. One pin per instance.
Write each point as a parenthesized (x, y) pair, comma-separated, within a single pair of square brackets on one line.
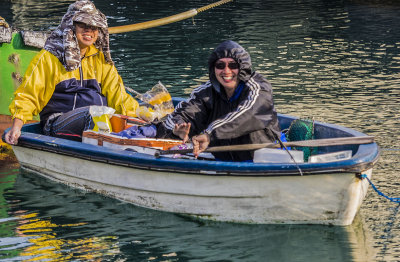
[(85, 26), (222, 65)]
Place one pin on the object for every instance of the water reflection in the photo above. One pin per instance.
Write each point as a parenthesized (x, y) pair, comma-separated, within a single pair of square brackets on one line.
[(73, 225), (35, 14)]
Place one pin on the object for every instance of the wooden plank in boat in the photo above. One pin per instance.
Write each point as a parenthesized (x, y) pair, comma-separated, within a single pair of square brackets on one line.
[(163, 144)]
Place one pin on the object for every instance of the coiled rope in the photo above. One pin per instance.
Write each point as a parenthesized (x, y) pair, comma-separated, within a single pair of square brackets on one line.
[(165, 20), (392, 199)]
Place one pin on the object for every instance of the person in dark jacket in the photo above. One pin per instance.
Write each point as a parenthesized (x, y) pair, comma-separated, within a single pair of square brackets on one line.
[(234, 107)]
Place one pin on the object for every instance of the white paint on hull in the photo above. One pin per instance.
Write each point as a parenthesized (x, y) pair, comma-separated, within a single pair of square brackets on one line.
[(313, 199)]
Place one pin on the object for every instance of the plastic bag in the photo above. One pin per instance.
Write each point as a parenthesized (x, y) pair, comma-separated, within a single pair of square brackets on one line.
[(158, 103), (146, 113), (101, 117)]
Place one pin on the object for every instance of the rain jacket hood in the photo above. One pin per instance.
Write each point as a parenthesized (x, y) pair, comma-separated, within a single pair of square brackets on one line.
[(230, 49), (249, 118), (63, 43)]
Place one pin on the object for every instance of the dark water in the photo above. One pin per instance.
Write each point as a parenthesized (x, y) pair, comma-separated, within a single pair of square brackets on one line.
[(336, 61)]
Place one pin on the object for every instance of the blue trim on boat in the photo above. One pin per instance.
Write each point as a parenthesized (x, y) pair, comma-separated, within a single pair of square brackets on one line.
[(364, 158)]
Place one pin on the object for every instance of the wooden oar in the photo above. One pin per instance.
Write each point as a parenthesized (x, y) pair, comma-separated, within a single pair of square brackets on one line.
[(353, 140), (165, 20)]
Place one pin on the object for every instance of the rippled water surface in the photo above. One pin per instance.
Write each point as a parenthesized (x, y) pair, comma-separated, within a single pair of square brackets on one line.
[(336, 61)]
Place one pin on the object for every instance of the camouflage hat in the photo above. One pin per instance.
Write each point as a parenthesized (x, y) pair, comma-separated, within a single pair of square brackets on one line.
[(88, 14), (63, 43)]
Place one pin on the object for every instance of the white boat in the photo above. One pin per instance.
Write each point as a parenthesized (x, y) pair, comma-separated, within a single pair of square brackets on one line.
[(262, 193)]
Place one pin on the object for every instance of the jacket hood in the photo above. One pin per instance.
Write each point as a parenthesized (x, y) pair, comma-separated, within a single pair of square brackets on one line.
[(63, 43), (230, 49)]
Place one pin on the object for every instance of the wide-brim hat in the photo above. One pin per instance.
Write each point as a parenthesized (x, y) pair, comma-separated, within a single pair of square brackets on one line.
[(63, 43)]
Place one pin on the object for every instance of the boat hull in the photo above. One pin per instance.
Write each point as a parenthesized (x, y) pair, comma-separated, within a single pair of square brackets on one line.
[(326, 198)]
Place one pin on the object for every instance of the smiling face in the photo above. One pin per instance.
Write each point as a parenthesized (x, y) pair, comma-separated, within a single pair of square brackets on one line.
[(226, 72), (86, 35)]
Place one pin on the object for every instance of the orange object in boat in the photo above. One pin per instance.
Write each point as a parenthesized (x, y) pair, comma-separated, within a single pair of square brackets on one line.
[(122, 122)]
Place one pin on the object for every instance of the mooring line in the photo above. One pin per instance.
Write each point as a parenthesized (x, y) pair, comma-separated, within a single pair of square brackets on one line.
[(392, 199)]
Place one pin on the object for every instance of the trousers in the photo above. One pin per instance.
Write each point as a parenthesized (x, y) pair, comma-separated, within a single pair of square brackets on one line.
[(69, 125)]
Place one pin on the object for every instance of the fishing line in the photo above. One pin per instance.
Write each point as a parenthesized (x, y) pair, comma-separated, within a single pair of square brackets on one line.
[(287, 150)]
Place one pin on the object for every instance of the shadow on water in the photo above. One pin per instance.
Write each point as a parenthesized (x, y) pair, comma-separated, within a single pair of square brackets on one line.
[(48, 220)]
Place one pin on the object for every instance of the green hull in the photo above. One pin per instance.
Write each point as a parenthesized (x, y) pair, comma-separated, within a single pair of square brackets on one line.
[(14, 60)]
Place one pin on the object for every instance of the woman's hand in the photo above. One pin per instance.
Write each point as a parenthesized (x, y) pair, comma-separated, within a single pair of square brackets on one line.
[(200, 143), (12, 136), (182, 130)]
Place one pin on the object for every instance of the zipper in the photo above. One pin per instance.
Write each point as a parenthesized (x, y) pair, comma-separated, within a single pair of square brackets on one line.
[(101, 100), (74, 101), (81, 76)]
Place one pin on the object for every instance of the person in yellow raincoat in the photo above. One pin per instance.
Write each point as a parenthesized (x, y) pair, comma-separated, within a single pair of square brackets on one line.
[(73, 72)]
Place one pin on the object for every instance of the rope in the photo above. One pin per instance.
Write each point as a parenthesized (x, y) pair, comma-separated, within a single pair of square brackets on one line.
[(392, 199), (163, 21), (204, 8)]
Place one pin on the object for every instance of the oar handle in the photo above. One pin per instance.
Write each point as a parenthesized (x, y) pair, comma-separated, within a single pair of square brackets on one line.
[(353, 140), (159, 153)]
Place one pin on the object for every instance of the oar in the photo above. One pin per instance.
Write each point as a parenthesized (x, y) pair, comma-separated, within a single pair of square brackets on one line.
[(165, 20), (353, 140)]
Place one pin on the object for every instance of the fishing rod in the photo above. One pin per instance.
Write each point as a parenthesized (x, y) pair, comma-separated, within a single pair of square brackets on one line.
[(132, 91), (165, 20)]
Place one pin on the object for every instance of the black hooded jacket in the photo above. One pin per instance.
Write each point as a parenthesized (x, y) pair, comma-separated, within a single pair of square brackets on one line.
[(249, 118)]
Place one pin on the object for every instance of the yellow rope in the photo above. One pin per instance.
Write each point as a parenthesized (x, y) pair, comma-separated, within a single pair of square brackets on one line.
[(165, 20), (204, 8)]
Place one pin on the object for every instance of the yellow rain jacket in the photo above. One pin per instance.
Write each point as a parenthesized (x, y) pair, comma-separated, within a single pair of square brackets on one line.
[(48, 88)]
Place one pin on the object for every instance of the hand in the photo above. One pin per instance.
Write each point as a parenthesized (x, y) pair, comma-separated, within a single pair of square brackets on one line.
[(12, 136), (182, 130), (200, 143)]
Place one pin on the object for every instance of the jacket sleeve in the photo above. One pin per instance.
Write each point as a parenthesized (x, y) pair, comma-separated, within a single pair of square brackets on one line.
[(113, 88), (255, 112), (193, 110), (36, 88)]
